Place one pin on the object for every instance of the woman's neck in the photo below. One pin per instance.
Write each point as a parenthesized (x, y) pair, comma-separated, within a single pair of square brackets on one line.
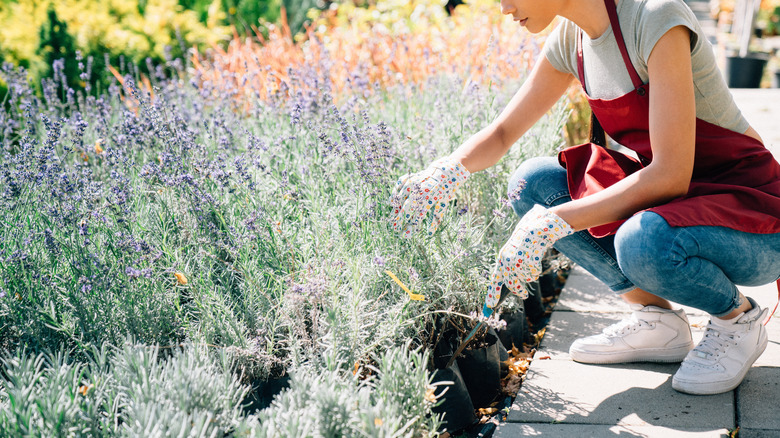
[(590, 15)]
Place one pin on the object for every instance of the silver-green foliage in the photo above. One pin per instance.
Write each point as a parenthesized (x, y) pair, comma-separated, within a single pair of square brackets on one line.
[(135, 391), (277, 214), (333, 402), (130, 391)]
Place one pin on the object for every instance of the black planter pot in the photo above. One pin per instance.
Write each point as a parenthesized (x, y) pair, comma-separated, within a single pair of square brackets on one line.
[(534, 307), (446, 344), (263, 393), (516, 332), (455, 404), (745, 72), (777, 79), (481, 368), (548, 283)]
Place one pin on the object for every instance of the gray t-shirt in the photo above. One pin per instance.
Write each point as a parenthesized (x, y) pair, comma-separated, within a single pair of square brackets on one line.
[(643, 23)]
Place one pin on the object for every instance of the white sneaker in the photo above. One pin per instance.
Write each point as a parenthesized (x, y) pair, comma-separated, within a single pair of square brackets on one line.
[(725, 354), (650, 334)]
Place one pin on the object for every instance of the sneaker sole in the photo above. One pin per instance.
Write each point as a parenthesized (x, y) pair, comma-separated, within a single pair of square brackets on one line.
[(662, 355), (711, 388)]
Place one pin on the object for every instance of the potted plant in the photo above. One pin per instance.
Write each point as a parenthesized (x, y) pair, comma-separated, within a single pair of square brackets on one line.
[(745, 67), (769, 18), (769, 23)]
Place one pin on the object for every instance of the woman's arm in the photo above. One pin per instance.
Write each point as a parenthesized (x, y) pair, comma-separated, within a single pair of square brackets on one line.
[(672, 138), (535, 97)]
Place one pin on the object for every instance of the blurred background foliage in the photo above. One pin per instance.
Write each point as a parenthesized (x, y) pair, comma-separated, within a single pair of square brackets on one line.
[(389, 36), (34, 33)]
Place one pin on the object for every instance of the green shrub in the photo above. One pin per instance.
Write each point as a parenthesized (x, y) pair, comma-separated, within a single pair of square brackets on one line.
[(33, 33)]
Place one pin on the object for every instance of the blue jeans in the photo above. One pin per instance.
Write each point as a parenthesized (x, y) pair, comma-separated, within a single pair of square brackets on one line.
[(696, 266)]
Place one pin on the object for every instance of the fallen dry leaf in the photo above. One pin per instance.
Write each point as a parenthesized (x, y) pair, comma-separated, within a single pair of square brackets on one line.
[(487, 411), (539, 335)]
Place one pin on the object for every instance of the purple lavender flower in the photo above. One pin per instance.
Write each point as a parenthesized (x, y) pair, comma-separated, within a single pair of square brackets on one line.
[(517, 192), (132, 272)]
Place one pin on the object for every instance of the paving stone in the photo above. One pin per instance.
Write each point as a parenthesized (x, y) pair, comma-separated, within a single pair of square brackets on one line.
[(585, 293), (765, 296), (758, 433), (514, 430), (760, 108), (565, 327), (756, 396), (771, 356), (626, 395)]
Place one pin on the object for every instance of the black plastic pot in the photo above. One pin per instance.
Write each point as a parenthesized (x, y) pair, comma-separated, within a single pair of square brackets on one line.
[(447, 341), (747, 71), (534, 307), (263, 393), (455, 404), (481, 368), (516, 332), (548, 283), (777, 79)]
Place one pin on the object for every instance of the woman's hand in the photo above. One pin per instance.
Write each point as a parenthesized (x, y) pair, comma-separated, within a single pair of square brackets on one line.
[(431, 190), (520, 259)]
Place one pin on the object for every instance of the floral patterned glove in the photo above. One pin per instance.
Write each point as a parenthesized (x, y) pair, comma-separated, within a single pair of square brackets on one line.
[(428, 191), (520, 259)]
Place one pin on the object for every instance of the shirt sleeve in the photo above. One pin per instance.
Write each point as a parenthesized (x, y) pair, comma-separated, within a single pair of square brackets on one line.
[(559, 46), (657, 18)]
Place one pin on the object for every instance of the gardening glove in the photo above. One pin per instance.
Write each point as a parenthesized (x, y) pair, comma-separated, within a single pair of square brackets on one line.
[(520, 259), (428, 191)]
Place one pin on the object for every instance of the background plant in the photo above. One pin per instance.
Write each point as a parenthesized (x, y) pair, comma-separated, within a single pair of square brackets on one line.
[(253, 232)]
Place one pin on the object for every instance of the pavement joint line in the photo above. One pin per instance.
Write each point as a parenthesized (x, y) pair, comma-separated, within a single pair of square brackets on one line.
[(573, 402)]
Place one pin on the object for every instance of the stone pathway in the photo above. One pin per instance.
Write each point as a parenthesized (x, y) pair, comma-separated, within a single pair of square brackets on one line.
[(761, 107), (563, 398)]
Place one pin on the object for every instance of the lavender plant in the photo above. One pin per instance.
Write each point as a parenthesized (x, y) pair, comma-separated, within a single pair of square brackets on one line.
[(253, 229), (395, 401), (120, 391)]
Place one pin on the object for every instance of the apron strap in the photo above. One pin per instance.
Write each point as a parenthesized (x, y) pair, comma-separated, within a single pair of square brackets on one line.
[(615, 24), (613, 20)]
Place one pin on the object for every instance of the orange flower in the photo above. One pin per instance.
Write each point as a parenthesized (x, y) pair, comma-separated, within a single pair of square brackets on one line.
[(98, 146), (84, 389), (378, 422), (430, 394), (181, 278)]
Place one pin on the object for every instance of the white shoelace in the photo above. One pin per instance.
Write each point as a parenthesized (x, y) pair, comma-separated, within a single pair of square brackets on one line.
[(714, 342), (625, 326)]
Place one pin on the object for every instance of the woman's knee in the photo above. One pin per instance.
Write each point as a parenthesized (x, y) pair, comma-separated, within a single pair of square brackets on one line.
[(539, 180), (644, 246)]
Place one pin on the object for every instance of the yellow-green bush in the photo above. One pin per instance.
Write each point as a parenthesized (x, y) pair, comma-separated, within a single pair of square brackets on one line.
[(134, 29)]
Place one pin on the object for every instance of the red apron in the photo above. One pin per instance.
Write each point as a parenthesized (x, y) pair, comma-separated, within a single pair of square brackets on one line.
[(735, 182)]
